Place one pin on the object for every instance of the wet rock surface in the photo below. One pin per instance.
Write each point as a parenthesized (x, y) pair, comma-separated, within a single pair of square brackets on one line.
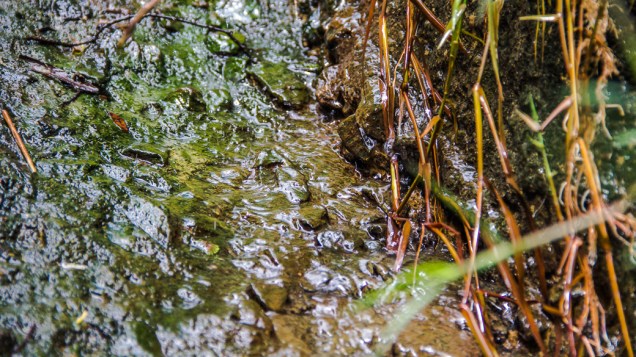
[(219, 224), (281, 83), (358, 146)]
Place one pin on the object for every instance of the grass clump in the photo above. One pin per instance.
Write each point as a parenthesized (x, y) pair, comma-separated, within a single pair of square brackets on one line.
[(583, 220)]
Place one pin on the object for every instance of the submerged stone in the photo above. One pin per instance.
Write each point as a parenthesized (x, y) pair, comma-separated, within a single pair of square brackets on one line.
[(152, 110), (313, 30), (280, 83), (313, 217), (269, 158), (292, 333), (369, 114), (188, 98), (234, 68), (116, 173), (147, 338), (152, 55), (8, 342), (357, 146), (174, 221), (207, 226), (151, 180), (147, 153), (221, 43), (219, 99), (327, 92), (293, 184), (251, 314), (151, 219), (270, 297)]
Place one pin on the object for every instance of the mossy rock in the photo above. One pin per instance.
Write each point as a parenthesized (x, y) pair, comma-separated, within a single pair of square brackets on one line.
[(313, 217), (270, 297), (369, 114), (283, 85)]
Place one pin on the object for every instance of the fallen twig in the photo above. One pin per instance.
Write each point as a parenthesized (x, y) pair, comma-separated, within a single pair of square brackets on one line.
[(227, 33), (18, 140), (61, 76), (128, 31), (93, 39), (27, 338), (103, 27)]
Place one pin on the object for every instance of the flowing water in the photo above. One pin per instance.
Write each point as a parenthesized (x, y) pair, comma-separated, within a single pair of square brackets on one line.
[(223, 222)]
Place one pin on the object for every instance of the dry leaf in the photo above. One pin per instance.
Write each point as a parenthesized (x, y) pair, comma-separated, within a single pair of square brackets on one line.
[(119, 122)]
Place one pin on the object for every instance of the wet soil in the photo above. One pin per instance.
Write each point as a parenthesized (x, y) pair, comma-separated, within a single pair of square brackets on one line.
[(224, 222)]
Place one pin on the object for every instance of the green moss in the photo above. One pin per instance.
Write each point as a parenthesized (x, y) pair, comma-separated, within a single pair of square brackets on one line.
[(283, 84)]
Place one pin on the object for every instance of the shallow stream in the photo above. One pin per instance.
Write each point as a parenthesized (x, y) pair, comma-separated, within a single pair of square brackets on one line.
[(223, 222)]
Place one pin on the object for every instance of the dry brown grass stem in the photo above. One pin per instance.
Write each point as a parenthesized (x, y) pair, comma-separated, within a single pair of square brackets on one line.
[(128, 31), (18, 140), (578, 323)]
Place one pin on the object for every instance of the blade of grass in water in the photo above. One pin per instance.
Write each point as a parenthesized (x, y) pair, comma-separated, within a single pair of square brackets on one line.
[(439, 274), (453, 29)]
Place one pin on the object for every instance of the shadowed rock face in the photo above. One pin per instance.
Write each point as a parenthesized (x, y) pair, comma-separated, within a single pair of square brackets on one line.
[(219, 224), (350, 88)]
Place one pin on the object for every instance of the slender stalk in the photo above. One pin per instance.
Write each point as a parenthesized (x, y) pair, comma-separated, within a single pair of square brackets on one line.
[(146, 8), (18, 140), (592, 177)]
